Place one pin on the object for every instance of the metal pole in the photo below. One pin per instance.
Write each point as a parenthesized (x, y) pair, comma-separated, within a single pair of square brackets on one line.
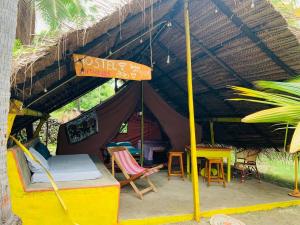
[(142, 124), (191, 114)]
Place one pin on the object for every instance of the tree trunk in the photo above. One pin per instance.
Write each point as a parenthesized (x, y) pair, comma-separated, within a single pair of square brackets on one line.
[(25, 21), (8, 21)]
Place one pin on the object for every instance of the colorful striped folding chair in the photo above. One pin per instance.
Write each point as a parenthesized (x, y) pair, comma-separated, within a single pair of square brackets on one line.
[(131, 169)]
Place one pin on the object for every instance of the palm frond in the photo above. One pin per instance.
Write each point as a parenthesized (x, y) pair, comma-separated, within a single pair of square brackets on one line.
[(286, 114), (287, 87), (274, 98), (56, 12), (295, 143)]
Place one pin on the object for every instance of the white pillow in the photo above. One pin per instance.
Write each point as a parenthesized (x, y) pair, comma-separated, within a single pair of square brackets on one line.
[(33, 165)]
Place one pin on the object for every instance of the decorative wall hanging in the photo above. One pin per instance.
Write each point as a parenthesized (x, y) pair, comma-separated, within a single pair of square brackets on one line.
[(82, 127)]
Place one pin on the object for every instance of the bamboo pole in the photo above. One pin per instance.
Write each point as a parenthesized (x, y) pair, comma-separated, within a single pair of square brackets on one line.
[(142, 125), (196, 194), (212, 133)]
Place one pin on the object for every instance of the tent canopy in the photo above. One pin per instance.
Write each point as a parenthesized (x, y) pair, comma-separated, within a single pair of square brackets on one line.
[(117, 110), (232, 44)]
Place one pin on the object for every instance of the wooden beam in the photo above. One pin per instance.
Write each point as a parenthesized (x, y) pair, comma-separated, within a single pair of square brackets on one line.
[(222, 119), (252, 36), (197, 76), (214, 49), (16, 107), (215, 58)]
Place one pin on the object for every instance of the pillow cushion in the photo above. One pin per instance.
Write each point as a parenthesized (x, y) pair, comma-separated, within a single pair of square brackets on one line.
[(124, 143), (43, 150), (133, 150), (33, 165), (111, 144)]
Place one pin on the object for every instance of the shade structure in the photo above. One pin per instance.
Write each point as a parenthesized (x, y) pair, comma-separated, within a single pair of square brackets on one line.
[(232, 44)]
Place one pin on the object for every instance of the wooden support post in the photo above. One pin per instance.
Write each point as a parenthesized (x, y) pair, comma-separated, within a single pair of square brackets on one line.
[(40, 125), (212, 133), (191, 114), (142, 125)]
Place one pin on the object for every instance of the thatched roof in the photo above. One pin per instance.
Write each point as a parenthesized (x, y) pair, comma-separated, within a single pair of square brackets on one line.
[(232, 44)]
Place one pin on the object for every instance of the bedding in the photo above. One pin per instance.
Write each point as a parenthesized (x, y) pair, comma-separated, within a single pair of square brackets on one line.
[(69, 168), (43, 150), (33, 165)]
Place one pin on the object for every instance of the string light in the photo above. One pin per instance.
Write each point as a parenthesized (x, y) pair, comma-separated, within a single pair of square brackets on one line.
[(110, 52), (168, 59), (45, 87), (252, 4), (141, 40), (216, 10)]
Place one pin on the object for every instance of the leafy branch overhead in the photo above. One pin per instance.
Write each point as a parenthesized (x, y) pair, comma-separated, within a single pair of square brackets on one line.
[(284, 97), (57, 12)]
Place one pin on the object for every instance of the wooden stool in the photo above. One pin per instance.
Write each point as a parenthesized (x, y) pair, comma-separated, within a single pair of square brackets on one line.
[(170, 158), (220, 176)]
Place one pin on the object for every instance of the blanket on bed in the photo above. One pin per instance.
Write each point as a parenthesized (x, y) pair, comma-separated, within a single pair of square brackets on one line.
[(69, 168)]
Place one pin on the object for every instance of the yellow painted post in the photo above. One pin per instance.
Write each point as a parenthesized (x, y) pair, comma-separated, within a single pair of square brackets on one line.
[(296, 192), (191, 114), (296, 173)]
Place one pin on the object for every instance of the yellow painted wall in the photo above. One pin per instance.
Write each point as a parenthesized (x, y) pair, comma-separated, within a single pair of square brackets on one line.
[(87, 206)]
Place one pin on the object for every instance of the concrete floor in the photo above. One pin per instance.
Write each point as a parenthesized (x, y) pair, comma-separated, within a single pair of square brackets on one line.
[(286, 216), (174, 197)]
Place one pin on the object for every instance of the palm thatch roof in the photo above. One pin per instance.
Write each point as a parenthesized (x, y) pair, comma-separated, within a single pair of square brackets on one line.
[(233, 43)]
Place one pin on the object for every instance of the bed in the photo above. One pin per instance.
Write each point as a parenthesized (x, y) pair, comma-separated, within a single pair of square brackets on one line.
[(69, 168), (88, 201), (39, 183)]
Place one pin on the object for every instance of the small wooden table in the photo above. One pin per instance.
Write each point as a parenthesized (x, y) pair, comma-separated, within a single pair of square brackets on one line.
[(209, 152)]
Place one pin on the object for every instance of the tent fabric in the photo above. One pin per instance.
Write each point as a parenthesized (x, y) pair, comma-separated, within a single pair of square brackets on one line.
[(152, 130), (118, 109)]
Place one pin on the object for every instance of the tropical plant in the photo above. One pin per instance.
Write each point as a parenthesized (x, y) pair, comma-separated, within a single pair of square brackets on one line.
[(8, 22), (284, 97), (58, 12)]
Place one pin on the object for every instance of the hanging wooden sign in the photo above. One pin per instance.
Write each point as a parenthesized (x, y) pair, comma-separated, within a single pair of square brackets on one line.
[(122, 69)]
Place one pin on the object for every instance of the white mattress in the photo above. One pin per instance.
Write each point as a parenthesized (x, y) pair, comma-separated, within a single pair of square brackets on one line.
[(69, 168)]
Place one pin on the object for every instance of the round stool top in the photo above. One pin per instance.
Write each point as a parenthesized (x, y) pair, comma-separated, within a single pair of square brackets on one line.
[(174, 152)]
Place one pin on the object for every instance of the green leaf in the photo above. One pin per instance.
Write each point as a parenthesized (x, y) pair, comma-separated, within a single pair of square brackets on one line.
[(276, 99), (286, 114), (295, 143), (56, 12), (287, 87)]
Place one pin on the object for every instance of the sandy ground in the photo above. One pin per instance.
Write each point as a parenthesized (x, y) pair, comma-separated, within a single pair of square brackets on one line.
[(285, 216), (174, 197)]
